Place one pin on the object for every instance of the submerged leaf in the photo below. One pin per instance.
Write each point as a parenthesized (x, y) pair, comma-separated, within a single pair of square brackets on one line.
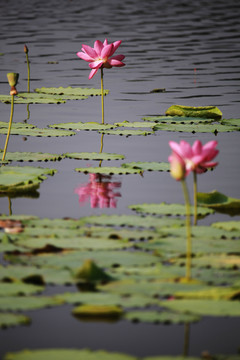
[(211, 112)]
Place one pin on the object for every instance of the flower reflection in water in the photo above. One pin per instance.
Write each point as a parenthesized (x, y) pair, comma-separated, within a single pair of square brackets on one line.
[(100, 191)]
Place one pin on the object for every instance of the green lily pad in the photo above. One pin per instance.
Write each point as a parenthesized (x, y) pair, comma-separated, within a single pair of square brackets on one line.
[(31, 98), (10, 289), (211, 112), (94, 156), (135, 124), (196, 128), (21, 303), (32, 156), (204, 307), (227, 225), (127, 132), (82, 126), (15, 126), (71, 91), (167, 209), (177, 119), (15, 179), (217, 261), (98, 311), (219, 202), (69, 354), (49, 97), (148, 166), (111, 170), (162, 317), (9, 319), (34, 131), (234, 122)]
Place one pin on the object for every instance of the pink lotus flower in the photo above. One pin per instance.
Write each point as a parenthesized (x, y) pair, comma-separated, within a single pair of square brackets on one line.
[(100, 56), (197, 158), (100, 191), (177, 167)]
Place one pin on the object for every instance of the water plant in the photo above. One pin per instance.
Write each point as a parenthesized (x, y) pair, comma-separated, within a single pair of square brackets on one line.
[(99, 57), (12, 80), (28, 66)]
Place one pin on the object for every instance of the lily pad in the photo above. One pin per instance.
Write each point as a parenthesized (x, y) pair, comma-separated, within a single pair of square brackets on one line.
[(71, 91), (162, 317), (167, 209), (98, 311), (69, 354), (10, 289), (135, 124), (177, 119), (227, 225), (94, 156), (148, 166), (109, 170), (211, 112), (4, 124), (32, 156), (34, 131), (82, 126), (196, 128), (234, 122), (21, 303), (219, 202), (9, 319), (31, 98), (127, 132), (49, 97), (15, 179), (204, 307)]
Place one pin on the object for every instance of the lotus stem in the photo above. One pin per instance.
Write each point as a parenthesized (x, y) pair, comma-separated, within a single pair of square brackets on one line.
[(188, 231), (9, 128), (9, 206), (102, 93), (195, 196), (186, 339), (101, 149), (28, 66)]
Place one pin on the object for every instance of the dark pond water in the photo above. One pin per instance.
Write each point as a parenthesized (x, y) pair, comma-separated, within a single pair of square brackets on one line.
[(189, 48)]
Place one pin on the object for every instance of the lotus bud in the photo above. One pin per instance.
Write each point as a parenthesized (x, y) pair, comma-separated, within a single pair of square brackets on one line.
[(177, 167), (12, 79), (25, 49)]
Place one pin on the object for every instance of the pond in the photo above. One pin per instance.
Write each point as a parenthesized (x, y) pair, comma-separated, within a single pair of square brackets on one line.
[(176, 52)]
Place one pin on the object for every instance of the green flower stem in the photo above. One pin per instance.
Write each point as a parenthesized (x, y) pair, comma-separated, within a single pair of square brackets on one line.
[(28, 67), (102, 95), (9, 206), (188, 229), (186, 339), (9, 128), (101, 149), (195, 196)]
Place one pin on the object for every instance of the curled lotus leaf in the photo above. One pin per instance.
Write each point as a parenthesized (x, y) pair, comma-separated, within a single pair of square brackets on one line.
[(9, 320), (219, 202), (98, 311), (167, 209), (148, 166), (77, 91), (82, 126), (94, 156), (109, 170), (211, 112)]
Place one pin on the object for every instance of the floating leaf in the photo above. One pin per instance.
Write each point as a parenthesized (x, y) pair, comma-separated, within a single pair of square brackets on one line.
[(69, 354), (31, 98), (10, 289), (195, 128), (227, 225), (204, 307), (98, 311), (48, 98), (15, 179), (167, 209), (109, 170), (234, 122), (16, 126), (20, 303), (177, 119), (94, 156), (218, 261), (34, 131), (162, 317), (83, 126), (219, 202), (135, 124), (211, 112), (9, 319), (32, 156), (148, 166), (70, 91), (127, 132)]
